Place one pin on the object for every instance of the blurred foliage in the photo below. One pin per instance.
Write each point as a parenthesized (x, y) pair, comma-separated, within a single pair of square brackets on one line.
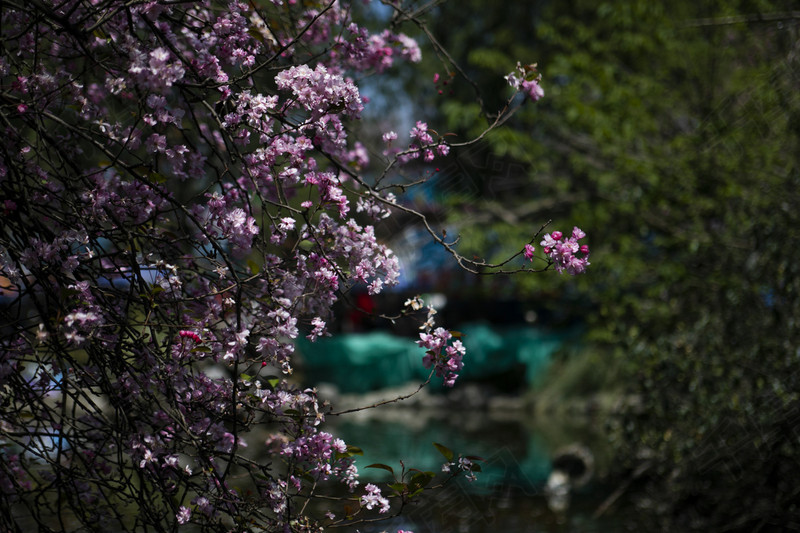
[(670, 135)]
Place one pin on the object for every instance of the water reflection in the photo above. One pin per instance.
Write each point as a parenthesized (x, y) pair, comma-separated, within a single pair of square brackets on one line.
[(509, 495)]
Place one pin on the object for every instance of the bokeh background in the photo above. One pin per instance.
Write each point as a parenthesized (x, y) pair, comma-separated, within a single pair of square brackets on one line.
[(669, 134)]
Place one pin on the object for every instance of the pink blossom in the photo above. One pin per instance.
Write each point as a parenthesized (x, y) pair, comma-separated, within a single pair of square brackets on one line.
[(563, 252), (320, 91), (526, 80), (286, 224), (445, 358), (374, 498), (319, 328), (528, 252), (532, 89), (190, 335), (183, 515)]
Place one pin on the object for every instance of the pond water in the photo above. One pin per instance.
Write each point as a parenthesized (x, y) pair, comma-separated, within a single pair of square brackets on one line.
[(508, 495)]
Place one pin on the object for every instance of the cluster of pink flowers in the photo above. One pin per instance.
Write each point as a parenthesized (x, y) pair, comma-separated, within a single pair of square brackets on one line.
[(375, 52), (320, 92), (321, 452), (567, 253), (462, 464), (528, 252), (374, 498), (158, 69), (526, 80), (444, 356), (422, 144)]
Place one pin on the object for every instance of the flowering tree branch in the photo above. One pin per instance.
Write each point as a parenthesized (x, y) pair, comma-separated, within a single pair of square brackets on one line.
[(181, 200)]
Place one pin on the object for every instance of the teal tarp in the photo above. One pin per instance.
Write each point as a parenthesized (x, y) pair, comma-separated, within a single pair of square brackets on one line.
[(360, 362)]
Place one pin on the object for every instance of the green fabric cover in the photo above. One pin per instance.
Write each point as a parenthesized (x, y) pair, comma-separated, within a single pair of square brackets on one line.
[(361, 362)]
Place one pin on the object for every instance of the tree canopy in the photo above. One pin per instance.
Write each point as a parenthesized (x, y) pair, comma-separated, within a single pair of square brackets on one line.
[(184, 194), (670, 131)]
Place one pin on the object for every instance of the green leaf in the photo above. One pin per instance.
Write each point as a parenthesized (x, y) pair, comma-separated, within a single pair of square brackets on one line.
[(399, 488), (354, 450), (255, 34), (421, 479), (351, 451), (156, 177), (381, 466), (444, 450)]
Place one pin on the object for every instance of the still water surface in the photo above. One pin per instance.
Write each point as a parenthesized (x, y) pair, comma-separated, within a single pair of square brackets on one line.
[(508, 495)]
